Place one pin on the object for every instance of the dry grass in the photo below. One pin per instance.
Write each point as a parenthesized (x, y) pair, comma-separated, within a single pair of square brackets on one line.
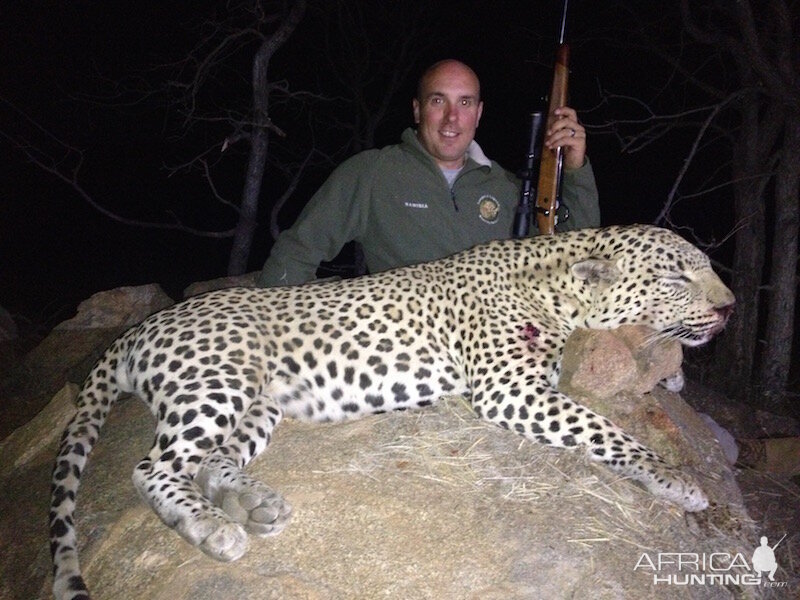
[(448, 445)]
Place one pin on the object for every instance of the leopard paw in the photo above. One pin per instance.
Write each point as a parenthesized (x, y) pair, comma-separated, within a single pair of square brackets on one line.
[(261, 510), (677, 487)]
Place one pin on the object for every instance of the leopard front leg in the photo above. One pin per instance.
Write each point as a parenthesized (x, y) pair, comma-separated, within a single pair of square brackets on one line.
[(543, 414)]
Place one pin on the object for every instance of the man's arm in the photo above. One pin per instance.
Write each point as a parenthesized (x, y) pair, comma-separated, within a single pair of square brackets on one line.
[(581, 197), (332, 217), (579, 191)]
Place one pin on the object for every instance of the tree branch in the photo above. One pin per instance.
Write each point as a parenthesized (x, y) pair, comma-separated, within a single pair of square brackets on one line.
[(71, 176), (690, 157)]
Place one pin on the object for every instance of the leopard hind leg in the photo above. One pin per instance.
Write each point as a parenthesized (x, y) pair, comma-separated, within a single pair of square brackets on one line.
[(193, 479), (182, 506), (249, 502)]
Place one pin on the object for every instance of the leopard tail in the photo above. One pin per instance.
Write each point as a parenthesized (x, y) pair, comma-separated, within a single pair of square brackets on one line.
[(105, 383)]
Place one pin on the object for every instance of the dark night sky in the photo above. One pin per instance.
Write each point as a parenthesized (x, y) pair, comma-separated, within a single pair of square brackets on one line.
[(55, 250)]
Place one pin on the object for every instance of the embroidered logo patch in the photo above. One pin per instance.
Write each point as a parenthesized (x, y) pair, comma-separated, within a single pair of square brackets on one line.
[(488, 209)]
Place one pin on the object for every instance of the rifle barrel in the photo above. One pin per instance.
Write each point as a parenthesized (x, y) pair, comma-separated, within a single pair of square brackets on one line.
[(563, 22), (778, 542)]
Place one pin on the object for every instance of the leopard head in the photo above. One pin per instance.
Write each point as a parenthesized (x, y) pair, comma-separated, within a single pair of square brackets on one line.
[(651, 276)]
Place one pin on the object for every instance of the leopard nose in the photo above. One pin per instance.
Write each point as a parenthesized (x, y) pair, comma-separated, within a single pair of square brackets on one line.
[(725, 311)]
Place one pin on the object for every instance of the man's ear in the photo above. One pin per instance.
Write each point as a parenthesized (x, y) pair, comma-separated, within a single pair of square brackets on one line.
[(596, 271)]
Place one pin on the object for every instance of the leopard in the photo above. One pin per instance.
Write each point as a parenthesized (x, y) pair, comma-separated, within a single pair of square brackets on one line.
[(220, 370)]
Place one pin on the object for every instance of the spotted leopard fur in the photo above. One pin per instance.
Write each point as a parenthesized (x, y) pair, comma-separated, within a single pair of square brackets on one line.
[(219, 371)]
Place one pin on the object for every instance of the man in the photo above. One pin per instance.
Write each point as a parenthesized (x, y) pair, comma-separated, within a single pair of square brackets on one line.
[(430, 196)]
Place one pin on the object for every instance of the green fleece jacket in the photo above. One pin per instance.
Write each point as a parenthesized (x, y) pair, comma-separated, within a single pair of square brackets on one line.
[(397, 204)]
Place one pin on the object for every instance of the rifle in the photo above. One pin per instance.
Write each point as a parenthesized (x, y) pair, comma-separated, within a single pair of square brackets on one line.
[(522, 220), (779, 541), (550, 168)]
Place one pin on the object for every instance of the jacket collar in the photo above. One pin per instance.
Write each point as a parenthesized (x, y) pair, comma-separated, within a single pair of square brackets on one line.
[(474, 151)]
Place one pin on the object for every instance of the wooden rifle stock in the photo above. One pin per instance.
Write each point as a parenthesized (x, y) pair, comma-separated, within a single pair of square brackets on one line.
[(547, 190)]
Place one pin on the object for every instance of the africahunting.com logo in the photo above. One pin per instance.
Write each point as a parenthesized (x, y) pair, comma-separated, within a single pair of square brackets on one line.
[(715, 568)]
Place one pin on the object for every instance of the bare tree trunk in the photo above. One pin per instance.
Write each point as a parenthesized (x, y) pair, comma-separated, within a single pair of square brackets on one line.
[(248, 210), (259, 141), (774, 371), (735, 351)]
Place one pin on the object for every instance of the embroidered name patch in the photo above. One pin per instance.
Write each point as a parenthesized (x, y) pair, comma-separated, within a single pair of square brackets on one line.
[(415, 204)]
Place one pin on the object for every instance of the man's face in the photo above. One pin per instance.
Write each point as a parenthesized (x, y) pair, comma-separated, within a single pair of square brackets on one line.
[(447, 113)]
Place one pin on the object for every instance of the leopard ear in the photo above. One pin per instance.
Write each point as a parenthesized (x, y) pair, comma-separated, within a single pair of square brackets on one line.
[(596, 271)]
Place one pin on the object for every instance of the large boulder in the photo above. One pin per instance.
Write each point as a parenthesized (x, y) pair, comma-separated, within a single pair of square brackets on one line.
[(118, 308), (71, 348), (422, 504)]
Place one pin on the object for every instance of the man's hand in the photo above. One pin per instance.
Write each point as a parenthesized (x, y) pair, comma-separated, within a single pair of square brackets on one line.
[(570, 135)]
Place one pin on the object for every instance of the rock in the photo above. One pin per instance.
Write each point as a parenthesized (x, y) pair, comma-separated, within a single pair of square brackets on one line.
[(71, 348), (420, 504), (616, 374), (428, 504), (603, 363), (778, 456), (201, 287), (726, 440), (64, 355), (120, 307), (25, 444), (742, 420)]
